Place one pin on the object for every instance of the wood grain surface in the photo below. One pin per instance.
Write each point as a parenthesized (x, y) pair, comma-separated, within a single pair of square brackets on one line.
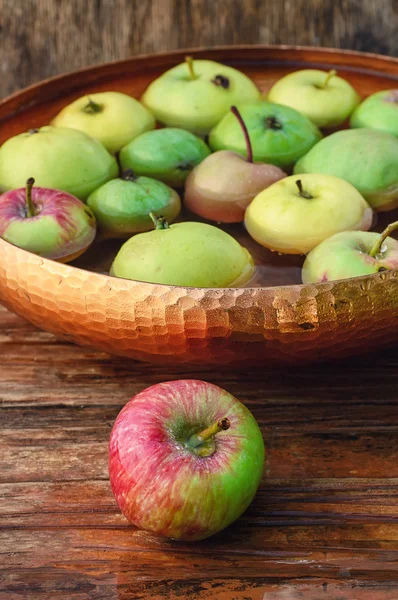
[(323, 525), (40, 38)]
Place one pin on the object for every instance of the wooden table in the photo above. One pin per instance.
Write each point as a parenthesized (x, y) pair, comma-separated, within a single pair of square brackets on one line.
[(323, 525)]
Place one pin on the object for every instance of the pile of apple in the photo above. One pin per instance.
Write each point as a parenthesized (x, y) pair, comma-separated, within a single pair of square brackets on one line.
[(116, 164)]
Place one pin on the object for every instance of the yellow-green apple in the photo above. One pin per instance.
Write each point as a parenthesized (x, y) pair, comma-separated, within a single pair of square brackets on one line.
[(351, 254), (122, 206), (325, 98), (196, 94), (279, 135), (366, 158), (185, 459), (294, 215), (57, 158), (167, 154), (188, 254), (223, 185), (112, 118), (50, 223), (378, 111)]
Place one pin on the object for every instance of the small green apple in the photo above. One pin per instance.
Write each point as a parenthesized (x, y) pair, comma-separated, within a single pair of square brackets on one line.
[(196, 94), (351, 254), (167, 154), (188, 254), (112, 118), (366, 158), (378, 111), (279, 135), (325, 98), (294, 214), (122, 206), (57, 158)]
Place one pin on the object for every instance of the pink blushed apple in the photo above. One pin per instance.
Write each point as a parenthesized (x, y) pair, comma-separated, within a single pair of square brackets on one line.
[(185, 459)]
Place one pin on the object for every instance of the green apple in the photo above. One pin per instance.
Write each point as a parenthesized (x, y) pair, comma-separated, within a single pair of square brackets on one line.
[(351, 254), (188, 254), (122, 206), (167, 154), (378, 111), (196, 94), (294, 215), (57, 158), (112, 118), (366, 158), (325, 98), (279, 135)]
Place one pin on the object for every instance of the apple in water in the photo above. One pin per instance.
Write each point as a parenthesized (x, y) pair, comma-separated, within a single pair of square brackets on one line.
[(279, 135), (57, 158), (351, 254), (294, 214), (47, 222), (167, 154), (196, 94), (112, 118), (122, 206), (366, 158), (378, 111), (224, 184), (185, 459), (325, 98), (188, 254)]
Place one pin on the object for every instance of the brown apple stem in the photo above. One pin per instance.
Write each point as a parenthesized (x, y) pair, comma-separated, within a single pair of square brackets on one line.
[(189, 61), (249, 148), (92, 107), (30, 207), (197, 439), (302, 191), (159, 222), (379, 243), (329, 76), (128, 175)]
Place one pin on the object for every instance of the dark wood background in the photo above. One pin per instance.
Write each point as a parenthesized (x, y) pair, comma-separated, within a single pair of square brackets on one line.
[(40, 38)]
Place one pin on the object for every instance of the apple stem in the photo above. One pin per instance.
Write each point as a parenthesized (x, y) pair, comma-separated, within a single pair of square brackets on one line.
[(378, 244), (197, 439), (92, 107), (249, 148), (329, 76), (31, 211), (302, 191), (128, 175), (159, 222), (189, 61)]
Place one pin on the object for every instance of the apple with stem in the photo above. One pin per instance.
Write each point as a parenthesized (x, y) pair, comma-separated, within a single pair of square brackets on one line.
[(185, 459), (352, 254), (50, 223), (294, 214), (223, 185), (196, 94), (378, 111)]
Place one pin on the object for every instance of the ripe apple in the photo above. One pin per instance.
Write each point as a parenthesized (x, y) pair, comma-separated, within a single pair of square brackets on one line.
[(366, 158), (122, 206), (294, 215), (279, 135), (325, 98), (112, 118), (351, 254), (57, 158), (224, 184), (378, 111), (196, 94), (188, 254), (167, 154), (185, 459), (50, 223)]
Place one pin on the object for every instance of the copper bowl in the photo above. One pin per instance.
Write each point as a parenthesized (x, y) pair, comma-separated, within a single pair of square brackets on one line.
[(282, 324)]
